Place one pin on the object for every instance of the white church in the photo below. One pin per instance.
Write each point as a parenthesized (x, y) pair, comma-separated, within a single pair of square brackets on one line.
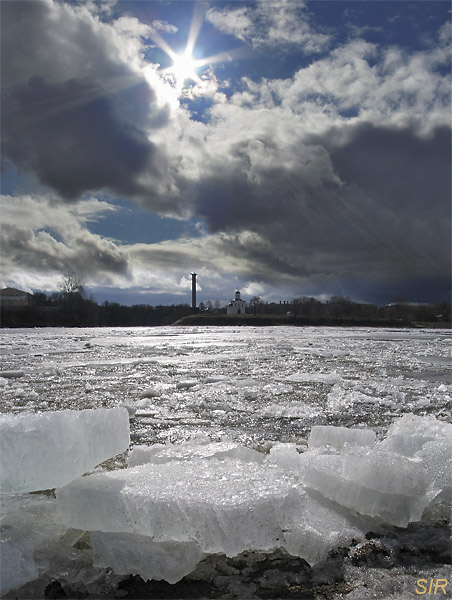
[(237, 306)]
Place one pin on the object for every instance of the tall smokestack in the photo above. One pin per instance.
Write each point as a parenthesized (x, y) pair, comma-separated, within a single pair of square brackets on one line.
[(193, 291)]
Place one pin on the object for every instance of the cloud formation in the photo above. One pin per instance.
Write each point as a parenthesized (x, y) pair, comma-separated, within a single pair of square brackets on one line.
[(77, 110), (270, 23), (335, 179), (45, 238)]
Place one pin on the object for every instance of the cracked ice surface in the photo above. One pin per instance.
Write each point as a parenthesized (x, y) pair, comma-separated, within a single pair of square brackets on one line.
[(232, 447)]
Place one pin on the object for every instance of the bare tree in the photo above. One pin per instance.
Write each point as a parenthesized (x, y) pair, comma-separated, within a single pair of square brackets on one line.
[(254, 302), (72, 283), (72, 293)]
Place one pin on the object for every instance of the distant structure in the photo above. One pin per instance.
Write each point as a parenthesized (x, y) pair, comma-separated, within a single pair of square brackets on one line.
[(237, 306), (11, 298), (193, 291)]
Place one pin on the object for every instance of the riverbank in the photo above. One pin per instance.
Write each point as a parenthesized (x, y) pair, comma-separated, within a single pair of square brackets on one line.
[(301, 321)]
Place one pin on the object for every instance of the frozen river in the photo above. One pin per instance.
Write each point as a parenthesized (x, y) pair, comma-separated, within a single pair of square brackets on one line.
[(250, 384), (256, 387)]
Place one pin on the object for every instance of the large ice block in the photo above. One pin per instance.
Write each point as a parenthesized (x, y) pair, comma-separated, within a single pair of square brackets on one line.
[(378, 484), (408, 434), (17, 566), (207, 501), (134, 554), (27, 527), (161, 453), (436, 456), (339, 437), (316, 526), (223, 505), (47, 450)]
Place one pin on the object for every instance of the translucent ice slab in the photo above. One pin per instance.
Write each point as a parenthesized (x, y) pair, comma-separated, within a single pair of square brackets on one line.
[(47, 450), (338, 437), (224, 506), (128, 553)]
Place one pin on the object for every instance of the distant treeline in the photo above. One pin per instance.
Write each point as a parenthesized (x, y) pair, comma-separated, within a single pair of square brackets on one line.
[(72, 308), (77, 311)]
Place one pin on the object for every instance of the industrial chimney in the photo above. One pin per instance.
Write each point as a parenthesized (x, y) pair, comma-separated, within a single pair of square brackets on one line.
[(193, 291)]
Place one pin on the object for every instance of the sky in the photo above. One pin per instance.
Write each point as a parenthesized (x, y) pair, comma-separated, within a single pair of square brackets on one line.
[(283, 148)]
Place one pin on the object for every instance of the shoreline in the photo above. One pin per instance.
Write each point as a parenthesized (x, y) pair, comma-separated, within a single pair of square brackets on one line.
[(302, 321)]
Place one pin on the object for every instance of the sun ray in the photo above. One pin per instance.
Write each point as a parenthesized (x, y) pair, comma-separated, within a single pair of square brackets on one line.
[(195, 27), (184, 66), (163, 45), (221, 57)]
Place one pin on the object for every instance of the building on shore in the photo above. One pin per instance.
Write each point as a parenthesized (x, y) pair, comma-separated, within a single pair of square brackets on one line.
[(11, 298), (236, 306)]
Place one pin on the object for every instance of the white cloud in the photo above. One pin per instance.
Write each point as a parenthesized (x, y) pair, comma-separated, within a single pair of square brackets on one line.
[(270, 23), (359, 81), (234, 21), (47, 238), (164, 27)]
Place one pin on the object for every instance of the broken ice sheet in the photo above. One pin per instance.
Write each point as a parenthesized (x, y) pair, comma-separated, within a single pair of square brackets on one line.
[(224, 506), (197, 448), (46, 450), (344, 466), (27, 526), (135, 554), (340, 437)]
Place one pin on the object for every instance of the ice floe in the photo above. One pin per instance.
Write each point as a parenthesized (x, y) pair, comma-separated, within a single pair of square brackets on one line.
[(177, 503), (48, 450)]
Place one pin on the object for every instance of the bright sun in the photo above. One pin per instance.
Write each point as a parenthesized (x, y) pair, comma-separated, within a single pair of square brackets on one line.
[(184, 67)]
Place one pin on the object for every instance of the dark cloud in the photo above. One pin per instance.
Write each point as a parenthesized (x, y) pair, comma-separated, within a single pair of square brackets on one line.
[(73, 112), (407, 179), (72, 137), (360, 208), (383, 222)]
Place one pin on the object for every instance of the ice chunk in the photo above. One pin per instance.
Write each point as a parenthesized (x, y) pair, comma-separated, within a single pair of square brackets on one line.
[(140, 455), (128, 553), (319, 527), (339, 437), (131, 410), (306, 377), (36, 548), (161, 453), (409, 433), (27, 526), (186, 384), (47, 450), (17, 566), (143, 403), (286, 456), (377, 484), (436, 456), (11, 374), (225, 506), (150, 392)]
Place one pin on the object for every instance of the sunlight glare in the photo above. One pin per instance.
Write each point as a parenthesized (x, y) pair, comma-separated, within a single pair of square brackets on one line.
[(184, 67)]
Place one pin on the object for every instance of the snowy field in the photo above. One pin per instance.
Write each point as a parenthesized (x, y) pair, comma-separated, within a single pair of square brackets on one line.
[(235, 484)]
